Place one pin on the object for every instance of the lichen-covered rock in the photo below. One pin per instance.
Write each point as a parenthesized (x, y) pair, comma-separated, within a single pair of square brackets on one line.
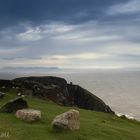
[(29, 115), (68, 120), (14, 105)]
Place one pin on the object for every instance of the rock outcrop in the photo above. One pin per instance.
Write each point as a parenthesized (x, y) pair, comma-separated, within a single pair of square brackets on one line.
[(28, 115), (59, 91), (68, 120), (14, 105), (84, 99)]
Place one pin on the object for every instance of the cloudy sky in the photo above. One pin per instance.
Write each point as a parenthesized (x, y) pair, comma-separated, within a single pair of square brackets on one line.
[(70, 33)]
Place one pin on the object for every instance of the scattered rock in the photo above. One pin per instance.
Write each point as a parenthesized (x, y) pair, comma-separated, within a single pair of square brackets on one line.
[(68, 120), (19, 94), (22, 96), (14, 105), (3, 87), (2, 95), (29, 115)]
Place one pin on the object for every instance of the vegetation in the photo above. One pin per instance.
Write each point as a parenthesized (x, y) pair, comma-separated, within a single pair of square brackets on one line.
[(94, 125)]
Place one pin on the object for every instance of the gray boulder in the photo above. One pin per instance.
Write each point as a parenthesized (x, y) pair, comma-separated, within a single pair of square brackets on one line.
[(29, 115), (68, 120), (14, 105)]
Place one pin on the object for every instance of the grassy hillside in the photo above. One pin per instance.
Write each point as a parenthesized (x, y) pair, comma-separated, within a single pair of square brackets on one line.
[(94, 125)]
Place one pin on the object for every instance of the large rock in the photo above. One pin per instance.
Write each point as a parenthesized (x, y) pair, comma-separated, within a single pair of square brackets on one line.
[(68, 120), (29, 115), (14, 105)]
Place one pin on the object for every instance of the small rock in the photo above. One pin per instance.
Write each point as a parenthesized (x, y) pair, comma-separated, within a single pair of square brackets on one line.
[(29, 115), (68, 120), (2, 95), (3, 87), (38, 89), (19, 94), (22, 96), (14, 105)]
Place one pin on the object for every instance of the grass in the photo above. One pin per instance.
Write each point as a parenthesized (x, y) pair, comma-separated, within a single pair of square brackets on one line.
[(94, 125)]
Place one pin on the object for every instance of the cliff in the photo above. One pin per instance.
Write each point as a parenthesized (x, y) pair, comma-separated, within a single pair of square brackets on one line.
[(57, 90)]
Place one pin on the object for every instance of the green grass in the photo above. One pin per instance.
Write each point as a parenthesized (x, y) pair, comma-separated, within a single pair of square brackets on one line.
[(94, 125)]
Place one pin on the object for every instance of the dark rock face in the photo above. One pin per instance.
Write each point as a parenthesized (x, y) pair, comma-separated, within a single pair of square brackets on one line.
[(14, 105), (59, 91), (84, 99)]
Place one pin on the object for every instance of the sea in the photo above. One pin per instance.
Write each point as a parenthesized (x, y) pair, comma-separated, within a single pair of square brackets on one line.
[(118, 89)]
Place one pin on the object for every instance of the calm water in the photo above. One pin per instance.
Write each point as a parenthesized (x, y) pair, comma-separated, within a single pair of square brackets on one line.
[(119, 89)]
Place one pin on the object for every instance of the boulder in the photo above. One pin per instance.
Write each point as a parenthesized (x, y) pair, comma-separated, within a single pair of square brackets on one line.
[(29, 115), (14, 105), (68, 120), (19, 94)]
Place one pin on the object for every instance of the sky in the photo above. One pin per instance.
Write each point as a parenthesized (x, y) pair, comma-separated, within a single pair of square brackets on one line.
[(70, 34)]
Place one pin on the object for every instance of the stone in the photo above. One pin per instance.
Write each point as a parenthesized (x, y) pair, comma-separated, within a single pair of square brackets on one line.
[(3, 87), (19, 94), (14, 105), (2, 95), (29, 115), (22, 96), (68, 120)]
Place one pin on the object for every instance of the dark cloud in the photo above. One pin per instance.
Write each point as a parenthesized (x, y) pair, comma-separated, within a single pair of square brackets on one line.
[(39, 11)]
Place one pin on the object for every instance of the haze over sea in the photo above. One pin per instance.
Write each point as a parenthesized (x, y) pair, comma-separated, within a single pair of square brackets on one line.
[(119, 89)]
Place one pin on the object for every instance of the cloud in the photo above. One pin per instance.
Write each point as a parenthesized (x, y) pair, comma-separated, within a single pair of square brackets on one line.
[(27, 62), (87, 45), (82, 56), (30, 35), (70, 34), (43, 11), (41, 31), (4, 53), (130, 7), (60, 31)]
